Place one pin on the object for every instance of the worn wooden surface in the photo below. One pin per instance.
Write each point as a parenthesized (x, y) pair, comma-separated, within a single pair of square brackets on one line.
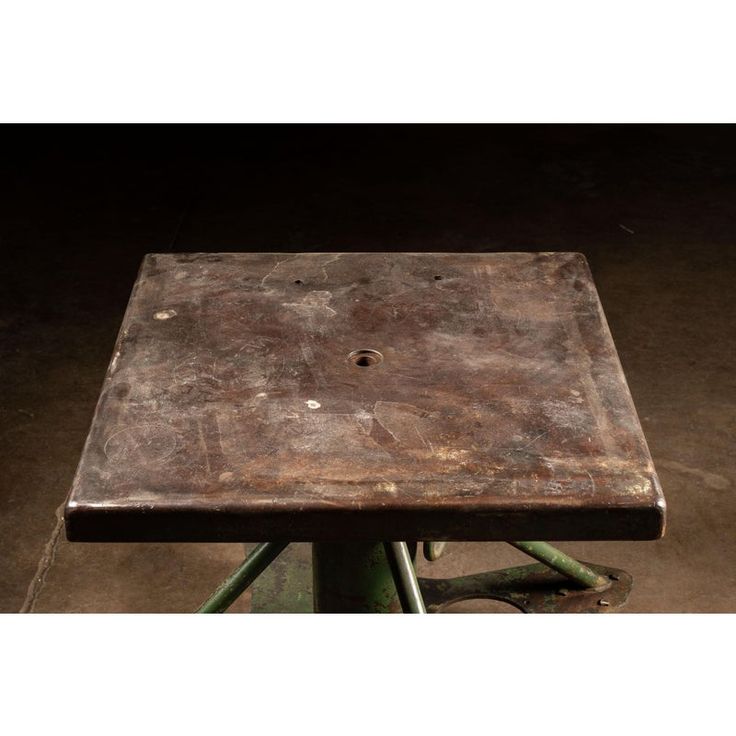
[(232, 410)]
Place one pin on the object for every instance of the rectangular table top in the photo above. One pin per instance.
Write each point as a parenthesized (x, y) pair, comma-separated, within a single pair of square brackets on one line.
[(402, 396)]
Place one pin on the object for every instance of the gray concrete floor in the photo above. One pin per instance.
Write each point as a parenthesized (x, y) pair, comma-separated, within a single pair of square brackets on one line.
[(652, 208)]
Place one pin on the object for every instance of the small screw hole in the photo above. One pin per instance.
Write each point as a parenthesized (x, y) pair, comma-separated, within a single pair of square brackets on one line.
[(365, 358), (438, 278), (298, 281)]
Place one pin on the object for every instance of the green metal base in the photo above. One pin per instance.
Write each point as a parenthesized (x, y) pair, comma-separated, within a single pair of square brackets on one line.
[(242, 577), (286, 587), (531, 589), (352, 577), (360, 577)]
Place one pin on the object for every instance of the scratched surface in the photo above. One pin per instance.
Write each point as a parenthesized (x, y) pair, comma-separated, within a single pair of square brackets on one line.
[(232, 411)]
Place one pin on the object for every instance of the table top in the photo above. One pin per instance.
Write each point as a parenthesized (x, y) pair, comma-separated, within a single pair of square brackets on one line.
[(326, 396)]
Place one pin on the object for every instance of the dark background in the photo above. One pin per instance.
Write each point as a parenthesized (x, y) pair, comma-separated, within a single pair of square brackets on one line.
[(652, 207)]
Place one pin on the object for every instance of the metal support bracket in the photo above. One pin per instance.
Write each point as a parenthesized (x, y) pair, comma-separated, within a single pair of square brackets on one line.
[(531, 589), (237, 582)]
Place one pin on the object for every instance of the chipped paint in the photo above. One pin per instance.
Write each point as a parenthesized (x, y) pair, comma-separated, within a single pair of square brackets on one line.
[(315, 305), (164, 314), (386, 486)]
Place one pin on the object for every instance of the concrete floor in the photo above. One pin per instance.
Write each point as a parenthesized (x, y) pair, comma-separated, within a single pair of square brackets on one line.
[(652, 208)]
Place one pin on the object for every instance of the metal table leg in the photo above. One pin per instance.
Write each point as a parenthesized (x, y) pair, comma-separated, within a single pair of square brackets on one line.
[(405, 577), (564, 564), (352, 577), (234, 585)]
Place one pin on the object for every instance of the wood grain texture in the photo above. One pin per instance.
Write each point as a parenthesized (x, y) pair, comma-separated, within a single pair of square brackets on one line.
[(232, 411)]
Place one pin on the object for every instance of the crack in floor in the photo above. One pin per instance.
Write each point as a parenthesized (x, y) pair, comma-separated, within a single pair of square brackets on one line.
[(44, 563)]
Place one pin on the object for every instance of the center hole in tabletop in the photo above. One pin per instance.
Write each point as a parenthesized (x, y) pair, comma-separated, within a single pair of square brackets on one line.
[(365, 358)]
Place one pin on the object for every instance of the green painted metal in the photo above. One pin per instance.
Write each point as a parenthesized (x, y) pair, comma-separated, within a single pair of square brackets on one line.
[(352, 577), (531, 589), (405, 577), (365, 577), (564, 564), (286, 586), (253, 565)]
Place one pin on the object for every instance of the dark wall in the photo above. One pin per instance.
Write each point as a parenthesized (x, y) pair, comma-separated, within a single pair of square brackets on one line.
[(80, 205)]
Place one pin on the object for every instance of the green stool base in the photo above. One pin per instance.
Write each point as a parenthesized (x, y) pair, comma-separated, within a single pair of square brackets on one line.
[(531, 589), (286, 587), (352, 577)]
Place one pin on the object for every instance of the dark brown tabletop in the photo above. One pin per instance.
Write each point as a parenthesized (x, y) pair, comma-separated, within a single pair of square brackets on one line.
[(401, 396)]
